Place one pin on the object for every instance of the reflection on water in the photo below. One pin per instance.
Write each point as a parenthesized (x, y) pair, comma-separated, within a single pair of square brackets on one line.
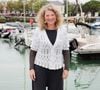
[(13, 66), (85, 74), (95, 31), (20, 48), (7, 41)]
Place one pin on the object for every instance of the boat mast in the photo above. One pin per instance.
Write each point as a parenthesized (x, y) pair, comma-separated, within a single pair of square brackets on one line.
[(80, 8)]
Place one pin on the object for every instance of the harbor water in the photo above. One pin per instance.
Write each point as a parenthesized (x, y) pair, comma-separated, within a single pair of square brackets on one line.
[(13, 67), (83, 75)]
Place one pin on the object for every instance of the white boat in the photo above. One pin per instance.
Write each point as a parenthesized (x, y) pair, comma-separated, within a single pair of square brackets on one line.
[(25, 37), (96, 24), (89, 43), (4, 26)]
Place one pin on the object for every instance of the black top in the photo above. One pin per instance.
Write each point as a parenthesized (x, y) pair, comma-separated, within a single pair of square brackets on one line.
[(52, 34)]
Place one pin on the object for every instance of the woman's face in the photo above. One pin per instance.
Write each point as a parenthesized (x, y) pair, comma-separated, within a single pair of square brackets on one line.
[(50, 17)]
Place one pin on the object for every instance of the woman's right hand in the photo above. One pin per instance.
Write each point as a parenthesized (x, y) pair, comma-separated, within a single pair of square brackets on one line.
[(32, 74)]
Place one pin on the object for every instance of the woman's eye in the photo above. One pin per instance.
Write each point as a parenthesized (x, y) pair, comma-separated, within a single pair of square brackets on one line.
[(47, 15)]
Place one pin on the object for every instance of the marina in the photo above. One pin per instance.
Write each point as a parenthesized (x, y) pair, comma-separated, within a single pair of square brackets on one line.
[(18, 20)]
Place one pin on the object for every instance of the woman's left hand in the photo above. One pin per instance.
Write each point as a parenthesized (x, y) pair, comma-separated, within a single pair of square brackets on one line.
[(65, 74)]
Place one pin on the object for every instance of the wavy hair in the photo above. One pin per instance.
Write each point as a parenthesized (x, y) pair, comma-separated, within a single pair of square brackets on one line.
[(41, 14)]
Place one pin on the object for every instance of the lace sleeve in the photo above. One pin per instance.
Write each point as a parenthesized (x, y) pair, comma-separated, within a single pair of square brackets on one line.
[(32, 59), (66, 56)]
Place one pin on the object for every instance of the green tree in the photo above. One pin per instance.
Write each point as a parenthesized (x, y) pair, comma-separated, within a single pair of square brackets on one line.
[(30, 4), (91, 6), (71, 10), (38, 4), (10, 5), (1, 7), (19, 6)]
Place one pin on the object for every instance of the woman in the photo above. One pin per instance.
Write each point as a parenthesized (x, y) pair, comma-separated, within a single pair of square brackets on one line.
[(49, 54)]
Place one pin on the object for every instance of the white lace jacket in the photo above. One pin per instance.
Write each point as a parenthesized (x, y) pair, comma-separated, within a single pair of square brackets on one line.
[(48, 55)]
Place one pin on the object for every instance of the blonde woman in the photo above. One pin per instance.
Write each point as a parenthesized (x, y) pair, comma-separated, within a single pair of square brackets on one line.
[(49, 54)]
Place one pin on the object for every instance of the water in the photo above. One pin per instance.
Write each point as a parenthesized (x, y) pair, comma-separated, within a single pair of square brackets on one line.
[(83, 74), (13, 67)]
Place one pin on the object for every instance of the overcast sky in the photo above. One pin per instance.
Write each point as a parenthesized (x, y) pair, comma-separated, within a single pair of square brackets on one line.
[(81, 1)]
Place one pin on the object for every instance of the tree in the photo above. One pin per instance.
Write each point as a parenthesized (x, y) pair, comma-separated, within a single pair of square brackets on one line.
[(91, 6), (19, 6), (38, 4), (1, 7), (30, 4), (77, 8), (71, 9)]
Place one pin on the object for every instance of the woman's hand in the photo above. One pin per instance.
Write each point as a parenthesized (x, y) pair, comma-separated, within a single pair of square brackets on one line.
[(65, 74), (32, 74)]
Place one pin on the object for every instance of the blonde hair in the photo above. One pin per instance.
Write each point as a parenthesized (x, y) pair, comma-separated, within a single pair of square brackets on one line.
[(41, 14)]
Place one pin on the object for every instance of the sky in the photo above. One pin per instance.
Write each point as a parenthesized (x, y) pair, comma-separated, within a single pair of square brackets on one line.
[(81, 1)]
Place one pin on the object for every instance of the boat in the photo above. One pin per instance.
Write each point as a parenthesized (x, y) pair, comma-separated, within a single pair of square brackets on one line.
[(5, 35), (96, 24), (25, 38), (89, 44)]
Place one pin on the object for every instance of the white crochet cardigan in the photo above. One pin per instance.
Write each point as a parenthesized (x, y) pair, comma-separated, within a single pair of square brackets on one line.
[(48, 55)]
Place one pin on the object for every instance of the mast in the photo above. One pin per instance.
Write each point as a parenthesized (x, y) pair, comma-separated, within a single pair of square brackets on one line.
[(80, 8)]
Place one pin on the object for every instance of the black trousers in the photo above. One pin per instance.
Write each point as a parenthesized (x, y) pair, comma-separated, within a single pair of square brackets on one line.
[(47, 78)]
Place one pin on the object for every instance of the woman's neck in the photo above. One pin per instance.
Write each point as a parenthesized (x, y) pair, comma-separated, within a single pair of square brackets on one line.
[(51, 27)]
